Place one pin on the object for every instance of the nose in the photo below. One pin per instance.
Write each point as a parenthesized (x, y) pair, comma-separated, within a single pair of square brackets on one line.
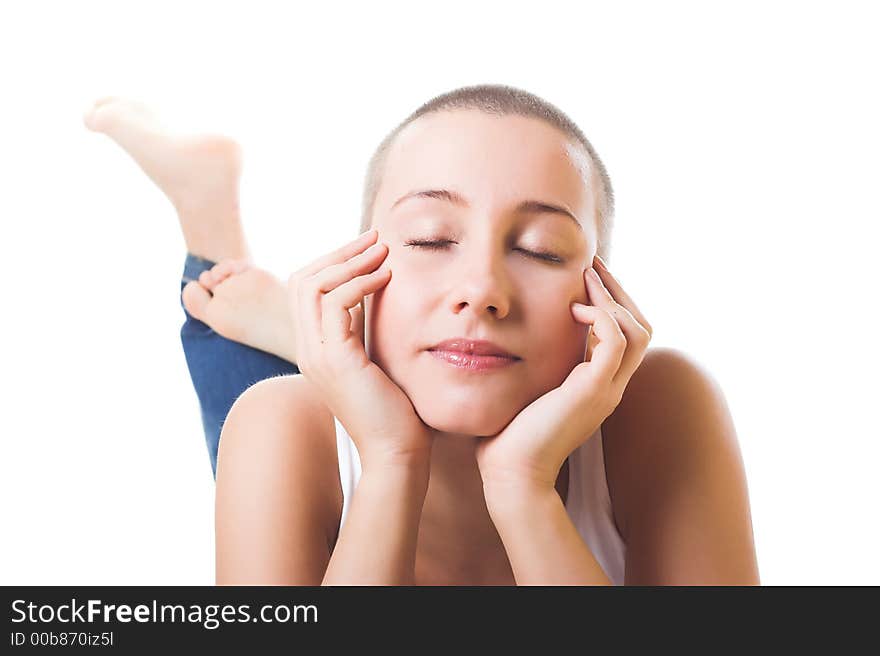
[(483, 288)]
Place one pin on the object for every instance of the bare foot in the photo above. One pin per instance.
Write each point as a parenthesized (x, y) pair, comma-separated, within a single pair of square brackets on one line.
[(244, 304), (199, 174)]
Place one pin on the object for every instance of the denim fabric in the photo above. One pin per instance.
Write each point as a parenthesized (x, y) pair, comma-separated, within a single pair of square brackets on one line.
[(220, 368)]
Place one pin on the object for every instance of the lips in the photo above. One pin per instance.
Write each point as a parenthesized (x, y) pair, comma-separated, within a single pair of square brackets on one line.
[(473, 363), (478, 347)]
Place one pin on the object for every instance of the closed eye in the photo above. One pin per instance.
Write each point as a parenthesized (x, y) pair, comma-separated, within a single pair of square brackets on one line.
[(441, 244)]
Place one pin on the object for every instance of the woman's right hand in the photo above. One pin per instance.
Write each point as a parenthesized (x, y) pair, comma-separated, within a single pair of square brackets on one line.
[(375, 411)]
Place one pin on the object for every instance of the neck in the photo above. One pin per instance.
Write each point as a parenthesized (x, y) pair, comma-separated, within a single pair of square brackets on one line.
[(455, 446), (455, 487)]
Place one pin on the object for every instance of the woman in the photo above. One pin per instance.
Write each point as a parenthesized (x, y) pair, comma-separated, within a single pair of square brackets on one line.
[(452, 422)]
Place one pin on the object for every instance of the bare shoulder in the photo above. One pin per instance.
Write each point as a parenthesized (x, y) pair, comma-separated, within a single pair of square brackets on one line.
[(667, 390), (277, 475), (291, 408), (287, 405), (676, 476)]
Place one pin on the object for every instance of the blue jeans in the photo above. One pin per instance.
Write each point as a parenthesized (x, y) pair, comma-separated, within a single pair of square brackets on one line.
[(220, 368)]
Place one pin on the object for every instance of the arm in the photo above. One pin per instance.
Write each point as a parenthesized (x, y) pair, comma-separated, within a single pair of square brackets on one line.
[(274, 501), (542, 544), (275, 520), (677, 479), (377, 542)]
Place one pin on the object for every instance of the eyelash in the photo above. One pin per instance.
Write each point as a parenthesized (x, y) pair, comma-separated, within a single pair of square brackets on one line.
[(438, 245)]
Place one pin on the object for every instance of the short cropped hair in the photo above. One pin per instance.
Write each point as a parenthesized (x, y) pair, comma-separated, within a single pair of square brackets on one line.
[(500, 100)]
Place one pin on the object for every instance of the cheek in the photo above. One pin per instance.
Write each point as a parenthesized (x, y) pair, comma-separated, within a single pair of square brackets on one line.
[(557, 342), (391, 328)]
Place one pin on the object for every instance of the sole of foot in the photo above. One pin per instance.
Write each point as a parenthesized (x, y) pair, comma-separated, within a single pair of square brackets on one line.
[(244, 304)]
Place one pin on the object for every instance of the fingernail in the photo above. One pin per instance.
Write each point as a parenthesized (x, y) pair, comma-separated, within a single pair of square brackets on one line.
[(594, 275), (601, 263)]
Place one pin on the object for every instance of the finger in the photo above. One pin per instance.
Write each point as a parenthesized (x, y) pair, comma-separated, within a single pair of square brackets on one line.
[(335, 327), (336, 320), (636, 335), (591, 344), (357, 322), (610, 342), (613, 285), (304, 303), (334, 275), (601, 297), (341, 254)]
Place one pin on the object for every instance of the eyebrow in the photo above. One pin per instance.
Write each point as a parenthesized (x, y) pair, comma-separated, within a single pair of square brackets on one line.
[(527, 206)]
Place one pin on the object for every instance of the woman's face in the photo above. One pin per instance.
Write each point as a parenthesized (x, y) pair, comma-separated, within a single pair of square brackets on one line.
[(492, 282)]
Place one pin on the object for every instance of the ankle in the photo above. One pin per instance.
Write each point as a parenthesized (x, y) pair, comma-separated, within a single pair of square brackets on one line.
[(214, 233)]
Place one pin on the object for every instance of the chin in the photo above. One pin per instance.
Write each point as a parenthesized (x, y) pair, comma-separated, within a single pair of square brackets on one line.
[(480, 417)]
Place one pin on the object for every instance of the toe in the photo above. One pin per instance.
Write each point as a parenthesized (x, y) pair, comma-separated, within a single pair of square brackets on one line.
[(196, 299), (226, 268), (222, 270), (89, 117), (206, 280), (240, 265), (96, 117)]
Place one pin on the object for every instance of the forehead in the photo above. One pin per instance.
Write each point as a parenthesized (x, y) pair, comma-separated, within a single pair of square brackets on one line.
[(492, 160)]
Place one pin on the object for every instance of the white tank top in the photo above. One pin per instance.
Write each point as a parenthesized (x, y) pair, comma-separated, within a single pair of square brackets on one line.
[(588, 502)]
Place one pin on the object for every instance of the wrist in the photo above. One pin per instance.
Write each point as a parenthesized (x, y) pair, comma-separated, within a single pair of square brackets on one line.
[(508, 496), (409, 469)]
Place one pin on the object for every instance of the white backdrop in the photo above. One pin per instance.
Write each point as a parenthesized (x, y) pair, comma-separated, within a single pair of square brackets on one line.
[(742, 144)]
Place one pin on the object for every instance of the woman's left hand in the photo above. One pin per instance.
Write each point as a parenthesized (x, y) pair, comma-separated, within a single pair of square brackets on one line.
[(531, 449)]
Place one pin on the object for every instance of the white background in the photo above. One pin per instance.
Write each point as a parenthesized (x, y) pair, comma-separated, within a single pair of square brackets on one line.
[(742, 143)]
